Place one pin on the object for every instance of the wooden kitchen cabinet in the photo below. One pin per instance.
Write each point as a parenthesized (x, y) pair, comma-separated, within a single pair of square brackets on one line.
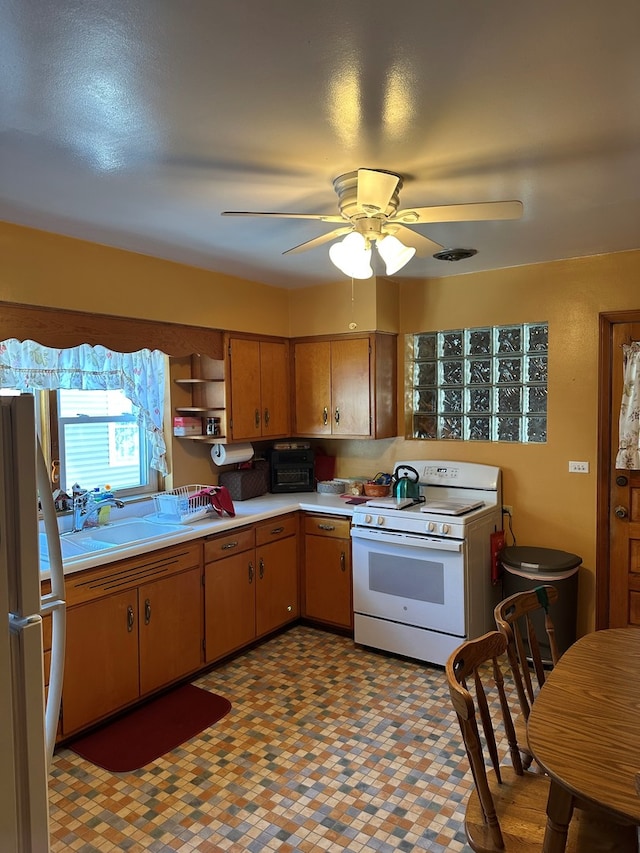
[(345, 386), (258, 388), (230, 599), (251, 584), (328, 596), (124, 645), (277, 573), (170, 629)]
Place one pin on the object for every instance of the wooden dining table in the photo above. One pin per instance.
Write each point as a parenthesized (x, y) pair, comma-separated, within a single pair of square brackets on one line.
[(584, 730)]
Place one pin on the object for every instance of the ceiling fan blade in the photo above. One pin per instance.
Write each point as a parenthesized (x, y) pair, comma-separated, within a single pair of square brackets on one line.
[(318, 241), (423, 245), (474, 212), (317, 216), (375, 189)]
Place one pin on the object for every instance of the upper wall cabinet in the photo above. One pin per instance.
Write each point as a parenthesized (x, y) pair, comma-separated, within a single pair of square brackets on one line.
[(345, 387), (258, 387)]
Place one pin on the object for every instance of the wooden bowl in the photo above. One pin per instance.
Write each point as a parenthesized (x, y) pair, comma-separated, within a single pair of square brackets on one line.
[(375, 490)]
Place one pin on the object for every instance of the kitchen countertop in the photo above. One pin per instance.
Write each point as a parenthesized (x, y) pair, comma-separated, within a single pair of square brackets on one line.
[(247, 512)]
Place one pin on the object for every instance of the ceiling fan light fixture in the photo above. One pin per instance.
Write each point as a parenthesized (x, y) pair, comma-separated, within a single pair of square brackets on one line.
[(352, 256), (394, 253)]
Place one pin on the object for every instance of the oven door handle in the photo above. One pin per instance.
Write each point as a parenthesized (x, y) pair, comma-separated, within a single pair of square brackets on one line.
[(393, 537)]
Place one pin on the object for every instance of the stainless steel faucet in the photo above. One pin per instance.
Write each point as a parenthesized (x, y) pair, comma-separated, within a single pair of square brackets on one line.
[(85, 506)]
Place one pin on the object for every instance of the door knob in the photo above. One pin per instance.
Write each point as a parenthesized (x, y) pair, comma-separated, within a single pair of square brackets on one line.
[(621, 512), (621, 480)]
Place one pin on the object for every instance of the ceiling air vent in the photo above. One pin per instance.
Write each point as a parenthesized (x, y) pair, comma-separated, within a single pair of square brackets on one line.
[(455, 254)]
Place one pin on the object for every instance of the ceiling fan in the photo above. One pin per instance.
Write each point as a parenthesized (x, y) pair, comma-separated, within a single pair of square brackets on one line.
[(368, 200)]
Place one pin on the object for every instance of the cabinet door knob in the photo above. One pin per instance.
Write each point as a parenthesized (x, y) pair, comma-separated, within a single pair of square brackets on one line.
[(228, 545), (276, 530), (147, 611), (250, 572), (261, 565), (337, 415), (257, 417), (343, 561), (267, 417), (326, 526), (130, 618), (325, 416)]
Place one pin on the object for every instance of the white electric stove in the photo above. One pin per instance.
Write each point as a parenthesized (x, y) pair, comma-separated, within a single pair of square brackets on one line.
[(422, 569)]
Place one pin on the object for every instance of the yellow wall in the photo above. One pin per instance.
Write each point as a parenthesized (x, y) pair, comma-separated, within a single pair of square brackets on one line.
[(38, 268), (552, 508)]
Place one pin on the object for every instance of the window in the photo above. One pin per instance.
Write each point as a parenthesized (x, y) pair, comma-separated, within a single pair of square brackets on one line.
[(481, 384), (100, 412), (101, 442)]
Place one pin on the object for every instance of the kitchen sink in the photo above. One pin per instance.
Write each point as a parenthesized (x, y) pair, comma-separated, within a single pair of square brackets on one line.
[(117, 534), (125, 532)]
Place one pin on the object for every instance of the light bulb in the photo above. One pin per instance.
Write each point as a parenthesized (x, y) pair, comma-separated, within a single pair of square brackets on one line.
[(352, 256), (394, 253)]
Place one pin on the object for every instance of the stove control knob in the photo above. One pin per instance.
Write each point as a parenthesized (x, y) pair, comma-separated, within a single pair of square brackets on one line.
[(381, 520), (432, 527), (367, 519), (445, 528)]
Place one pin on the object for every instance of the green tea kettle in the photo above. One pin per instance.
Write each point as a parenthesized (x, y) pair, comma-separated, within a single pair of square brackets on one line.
[(405, 482)]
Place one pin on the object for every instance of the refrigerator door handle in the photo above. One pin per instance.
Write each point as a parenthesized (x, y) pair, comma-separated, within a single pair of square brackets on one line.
[(53, 603)]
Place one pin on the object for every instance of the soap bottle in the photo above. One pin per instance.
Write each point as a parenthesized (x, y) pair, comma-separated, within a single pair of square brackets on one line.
[(104, 513)]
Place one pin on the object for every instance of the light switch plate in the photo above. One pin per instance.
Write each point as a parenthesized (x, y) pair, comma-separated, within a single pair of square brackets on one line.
[(578, 467)]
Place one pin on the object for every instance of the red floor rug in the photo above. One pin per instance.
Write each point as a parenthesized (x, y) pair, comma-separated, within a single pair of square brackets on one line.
[(148, 732)]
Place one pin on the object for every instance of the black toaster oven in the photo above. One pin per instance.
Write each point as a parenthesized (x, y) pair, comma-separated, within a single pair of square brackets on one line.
[(292, 471)]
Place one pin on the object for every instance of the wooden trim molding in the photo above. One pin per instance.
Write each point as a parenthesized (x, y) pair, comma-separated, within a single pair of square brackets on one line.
[(57, 327), (607, 418)]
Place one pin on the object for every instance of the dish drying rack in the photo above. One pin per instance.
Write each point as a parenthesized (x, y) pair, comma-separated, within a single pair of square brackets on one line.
[(182, 505)]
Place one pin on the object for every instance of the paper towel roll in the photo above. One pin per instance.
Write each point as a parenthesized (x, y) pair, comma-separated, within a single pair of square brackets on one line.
[(228, 454)]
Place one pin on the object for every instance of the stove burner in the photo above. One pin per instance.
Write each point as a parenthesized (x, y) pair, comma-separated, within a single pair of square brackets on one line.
[(450, 507)]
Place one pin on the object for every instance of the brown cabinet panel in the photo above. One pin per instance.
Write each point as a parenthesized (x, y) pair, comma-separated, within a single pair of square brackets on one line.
[(130, 573), (278, 528), (327, 578), (259, 388), (351, 393), (277, 585), (274, 384), (230, 604), (346, 386), (323, 525), (312, 367), (246, 418), (170, 629), (101, 662), (224, 545)]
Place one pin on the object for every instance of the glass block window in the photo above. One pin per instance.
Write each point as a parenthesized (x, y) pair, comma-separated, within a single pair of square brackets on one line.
[(487, 384)]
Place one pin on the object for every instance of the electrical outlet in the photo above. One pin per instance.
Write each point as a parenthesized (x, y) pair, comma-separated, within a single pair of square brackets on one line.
[(578, 467), (507, 510)]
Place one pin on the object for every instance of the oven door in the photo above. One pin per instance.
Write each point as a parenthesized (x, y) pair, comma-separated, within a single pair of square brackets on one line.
[(411, 580)]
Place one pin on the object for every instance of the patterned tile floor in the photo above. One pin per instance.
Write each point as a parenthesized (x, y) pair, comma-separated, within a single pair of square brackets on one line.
[(328, 747)]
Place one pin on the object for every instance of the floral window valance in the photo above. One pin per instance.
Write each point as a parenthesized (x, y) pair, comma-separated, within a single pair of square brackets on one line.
[(629, 444), (29, 366)]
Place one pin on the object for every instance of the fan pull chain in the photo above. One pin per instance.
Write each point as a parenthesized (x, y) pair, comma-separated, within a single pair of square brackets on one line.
[(352, 325)]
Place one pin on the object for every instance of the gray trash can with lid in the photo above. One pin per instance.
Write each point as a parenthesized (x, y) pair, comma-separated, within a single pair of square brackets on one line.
[(527, 567)]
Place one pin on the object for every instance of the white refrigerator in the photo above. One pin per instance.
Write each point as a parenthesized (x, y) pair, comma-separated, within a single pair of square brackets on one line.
[(27, 727)]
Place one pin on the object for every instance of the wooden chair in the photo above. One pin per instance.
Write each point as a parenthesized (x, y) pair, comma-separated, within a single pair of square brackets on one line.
[(506, 810), (514, 618)]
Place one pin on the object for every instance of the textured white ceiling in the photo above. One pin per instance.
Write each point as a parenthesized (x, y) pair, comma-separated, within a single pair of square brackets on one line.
[(134, 124)]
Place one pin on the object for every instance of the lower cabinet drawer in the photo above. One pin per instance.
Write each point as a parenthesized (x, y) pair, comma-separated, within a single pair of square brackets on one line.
[(322, 525), (224, 545)]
